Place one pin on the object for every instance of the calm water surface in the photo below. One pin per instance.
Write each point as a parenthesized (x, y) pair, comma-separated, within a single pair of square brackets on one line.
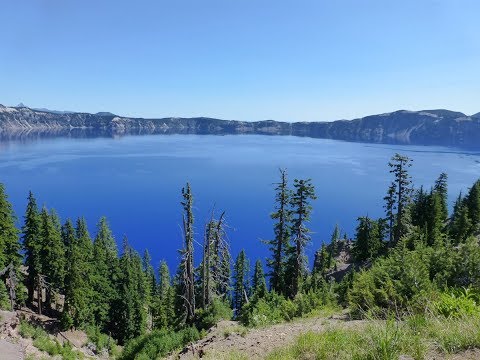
[(136, 182)]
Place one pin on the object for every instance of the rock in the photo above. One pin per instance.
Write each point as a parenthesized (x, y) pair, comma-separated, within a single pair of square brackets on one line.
[(427, 127)]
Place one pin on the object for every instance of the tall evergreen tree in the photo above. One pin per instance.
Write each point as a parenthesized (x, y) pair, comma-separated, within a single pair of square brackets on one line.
[(301, 203), (435, 218), (224, 260), (473, 204), (9, 245), (78, 291), (150, 284), (320, 261), (369, 239), (259, 284), (333, 248), (279, 245), (129, 311), (241, 281), (105, 275), (441, 189), (460, 225), (164, 310), (420, 208), (32, 244), (390, 208), (399, 194), (52, 253)]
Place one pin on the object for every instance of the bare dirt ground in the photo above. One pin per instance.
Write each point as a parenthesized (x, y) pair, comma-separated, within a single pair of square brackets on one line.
[(228, 337), (10, 351)]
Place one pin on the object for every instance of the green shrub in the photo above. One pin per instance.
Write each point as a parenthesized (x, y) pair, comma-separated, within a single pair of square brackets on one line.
[(274, 308), (102, 341), (395, 283), (263, 311), (289, 310), (158, 343), (457, 303), (218, 310)]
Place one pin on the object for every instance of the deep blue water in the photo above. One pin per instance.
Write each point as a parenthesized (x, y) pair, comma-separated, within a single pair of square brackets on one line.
[(136, 182)]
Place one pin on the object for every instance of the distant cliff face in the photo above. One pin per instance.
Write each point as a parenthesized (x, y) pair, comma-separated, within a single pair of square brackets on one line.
[(429, 127)]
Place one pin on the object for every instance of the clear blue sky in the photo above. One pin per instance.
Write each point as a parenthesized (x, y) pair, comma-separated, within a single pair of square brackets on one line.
[(244, 59)]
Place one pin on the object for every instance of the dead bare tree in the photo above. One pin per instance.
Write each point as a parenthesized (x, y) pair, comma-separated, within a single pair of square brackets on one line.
[(188, 285), (215, 275)]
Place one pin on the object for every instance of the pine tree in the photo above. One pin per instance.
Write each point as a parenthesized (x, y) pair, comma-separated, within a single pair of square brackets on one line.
[(9, 245), (441, 188), (86, 265), (301, 199), (32, 244), (186, 280), (241, 281), (390, 207), (369, 239), (129, 310), (435, 218), (399, 196), (460, 225), (259, 285), (150, 284), (320, 267), (333, 248), (420, 208), (473, 204), (224, 260), (279, 245), (164, 312), (105, 275), (52, 253), (78, 291)]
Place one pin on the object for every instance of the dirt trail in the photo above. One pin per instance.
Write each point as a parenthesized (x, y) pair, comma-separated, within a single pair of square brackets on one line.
[(228, 336), (10, 351)]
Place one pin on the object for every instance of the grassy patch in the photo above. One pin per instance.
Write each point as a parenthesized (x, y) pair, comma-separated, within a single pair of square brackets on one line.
[(387, 340), (455, 335)]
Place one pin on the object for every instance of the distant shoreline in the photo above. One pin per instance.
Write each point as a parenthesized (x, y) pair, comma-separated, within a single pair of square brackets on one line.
[(427, 128)]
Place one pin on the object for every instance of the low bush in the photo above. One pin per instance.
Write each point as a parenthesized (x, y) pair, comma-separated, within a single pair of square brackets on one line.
[(396, 283), (100, 340), (158, 343), (218, 310), (457, 303), (274, 308)]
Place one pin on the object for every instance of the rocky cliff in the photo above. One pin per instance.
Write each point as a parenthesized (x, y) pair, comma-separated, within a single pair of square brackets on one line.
[(428, 127)]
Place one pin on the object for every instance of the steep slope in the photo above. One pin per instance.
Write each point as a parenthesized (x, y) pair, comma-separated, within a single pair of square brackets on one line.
[(427, 127)]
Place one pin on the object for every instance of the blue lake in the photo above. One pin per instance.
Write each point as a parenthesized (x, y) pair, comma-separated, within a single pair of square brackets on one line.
[(136, 183)]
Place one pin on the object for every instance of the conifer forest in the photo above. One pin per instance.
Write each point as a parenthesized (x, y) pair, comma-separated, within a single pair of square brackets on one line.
[(421, 258)]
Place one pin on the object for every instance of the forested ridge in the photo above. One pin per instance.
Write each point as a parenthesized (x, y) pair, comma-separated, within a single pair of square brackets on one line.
[(419, 258)]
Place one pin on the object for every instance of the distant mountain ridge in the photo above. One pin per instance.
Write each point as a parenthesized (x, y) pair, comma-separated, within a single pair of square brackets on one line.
[(425, 127)]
